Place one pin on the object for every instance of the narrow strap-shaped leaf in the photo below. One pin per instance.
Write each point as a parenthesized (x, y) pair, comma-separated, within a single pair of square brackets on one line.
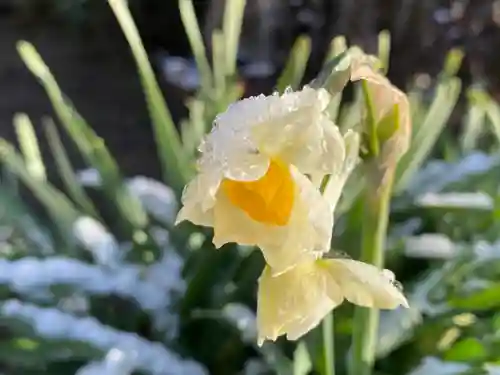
[(176, 166), (59, 207), (89, 144), (426, 133), (233, 21), (68, 176), (296, 66), (192, 28), (29, 146)]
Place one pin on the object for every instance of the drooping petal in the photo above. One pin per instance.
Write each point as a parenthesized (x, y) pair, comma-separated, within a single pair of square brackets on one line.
[(364, 284), (198, 199), (337, 180), (305, 237), (294, 302)]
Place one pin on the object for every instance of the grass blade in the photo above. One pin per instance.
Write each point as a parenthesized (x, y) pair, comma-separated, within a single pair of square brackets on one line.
[(493, 113), (474, 119), (68, 176), (29, 146), (453, 62), (337, 46), (426, 134), (384, 49), (192, 27), (294, 70), (218, 55), (59, 207), (90, 145), (176, 166), (232, 23)]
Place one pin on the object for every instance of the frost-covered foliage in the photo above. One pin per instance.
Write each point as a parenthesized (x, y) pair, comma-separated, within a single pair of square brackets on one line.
[(95, 280), (152, 287), (53, 324), (57, 294)]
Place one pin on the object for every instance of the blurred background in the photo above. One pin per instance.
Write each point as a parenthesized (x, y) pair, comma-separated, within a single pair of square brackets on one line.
[(95, 280), (83, 45)]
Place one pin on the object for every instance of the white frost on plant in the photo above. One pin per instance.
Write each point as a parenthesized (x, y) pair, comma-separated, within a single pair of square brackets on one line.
[(430, 245), (152, 287), (459, 200), (243, 319), (93, 236), (179, 71), (89, 177), (116, 362), (437, 174), (77, 304), (431, 365), (157, 198), (152, 358)]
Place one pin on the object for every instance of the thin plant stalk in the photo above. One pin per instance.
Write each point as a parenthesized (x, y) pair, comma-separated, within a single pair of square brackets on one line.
[(375, 222), (327, 324), (328, 345), (377, 196)]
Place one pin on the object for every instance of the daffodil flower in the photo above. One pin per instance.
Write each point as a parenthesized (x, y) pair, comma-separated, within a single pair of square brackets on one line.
[(252, 186), (386, 98), (296, 301)]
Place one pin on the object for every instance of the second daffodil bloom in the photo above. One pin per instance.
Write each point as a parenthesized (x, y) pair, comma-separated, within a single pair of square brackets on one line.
[(252, 185), (296, 301), (386, 98)]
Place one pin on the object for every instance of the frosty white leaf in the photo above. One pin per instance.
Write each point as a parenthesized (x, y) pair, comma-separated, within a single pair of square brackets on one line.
[(151, 287), (435, 366), (158, 199), (89, 177), (92, 235), (242, 318), (396, 326), (437, 175), (457, 200), (180, 72), (430, 245), (116, 362), (151, 358)]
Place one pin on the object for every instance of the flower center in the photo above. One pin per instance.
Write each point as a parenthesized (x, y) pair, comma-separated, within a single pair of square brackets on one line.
[(268, 200)]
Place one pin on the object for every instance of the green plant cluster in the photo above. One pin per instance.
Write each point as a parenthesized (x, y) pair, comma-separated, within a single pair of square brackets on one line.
[(114, 288)]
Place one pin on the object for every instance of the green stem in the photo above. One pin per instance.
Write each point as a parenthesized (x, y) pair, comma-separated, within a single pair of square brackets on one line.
[(375, 221), (327, 324), (328, 345), (370, 118)]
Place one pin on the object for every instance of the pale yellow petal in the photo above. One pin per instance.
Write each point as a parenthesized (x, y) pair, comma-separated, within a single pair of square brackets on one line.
[(294, 302), (364, 284), (302, 134), (337, 180), (306, 236), (229, 146), (198, 199)]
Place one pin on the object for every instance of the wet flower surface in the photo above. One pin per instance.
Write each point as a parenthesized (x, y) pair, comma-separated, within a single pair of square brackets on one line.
[(252, 186), (295, 302)]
